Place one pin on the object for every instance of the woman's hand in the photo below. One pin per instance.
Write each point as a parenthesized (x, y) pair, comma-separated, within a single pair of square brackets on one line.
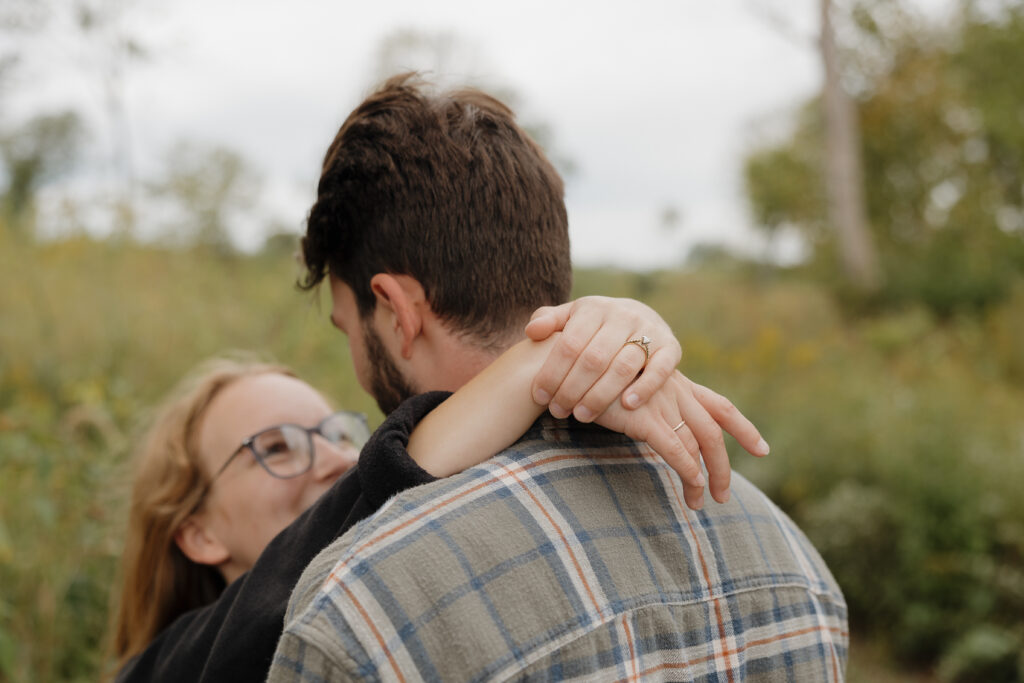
[(591, 365), (706, 414)]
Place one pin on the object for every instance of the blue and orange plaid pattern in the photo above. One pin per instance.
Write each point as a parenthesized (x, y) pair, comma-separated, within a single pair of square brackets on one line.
[(569, 556)]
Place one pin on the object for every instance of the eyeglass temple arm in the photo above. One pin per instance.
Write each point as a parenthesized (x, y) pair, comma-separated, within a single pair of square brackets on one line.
[(245, 444)]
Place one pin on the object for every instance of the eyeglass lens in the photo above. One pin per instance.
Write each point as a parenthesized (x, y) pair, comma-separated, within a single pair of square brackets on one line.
[(284, 450), (287, 450), (345, 428)]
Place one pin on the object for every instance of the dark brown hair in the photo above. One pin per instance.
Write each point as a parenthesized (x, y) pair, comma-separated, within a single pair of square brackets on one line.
[(448, 189)]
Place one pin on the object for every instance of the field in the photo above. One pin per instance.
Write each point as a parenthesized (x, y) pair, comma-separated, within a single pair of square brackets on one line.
[(897, 440)]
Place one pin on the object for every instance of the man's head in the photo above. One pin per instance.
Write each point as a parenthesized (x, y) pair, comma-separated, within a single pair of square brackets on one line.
[(446, 192)]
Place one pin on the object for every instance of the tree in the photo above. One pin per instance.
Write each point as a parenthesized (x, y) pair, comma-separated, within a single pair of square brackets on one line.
[(939, 109), (96, 46), (209, 188), (100, 23), (844, 178), (37, 152)]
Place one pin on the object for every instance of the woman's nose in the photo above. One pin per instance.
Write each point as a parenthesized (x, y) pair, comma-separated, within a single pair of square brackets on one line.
[(333, 460)]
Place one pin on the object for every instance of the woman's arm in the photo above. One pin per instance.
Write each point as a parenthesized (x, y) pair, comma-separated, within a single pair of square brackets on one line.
[(487, 414), (496, 407)]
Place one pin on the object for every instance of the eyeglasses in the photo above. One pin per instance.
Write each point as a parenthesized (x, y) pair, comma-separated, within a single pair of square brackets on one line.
[(286, 450)]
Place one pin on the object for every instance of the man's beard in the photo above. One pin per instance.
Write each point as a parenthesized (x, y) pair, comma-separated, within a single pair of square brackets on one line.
[(387, 384)]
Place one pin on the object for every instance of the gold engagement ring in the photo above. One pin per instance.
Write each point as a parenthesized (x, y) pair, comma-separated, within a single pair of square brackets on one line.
[(644, 342)]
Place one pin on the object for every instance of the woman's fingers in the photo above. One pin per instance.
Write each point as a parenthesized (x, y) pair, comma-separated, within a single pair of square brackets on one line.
[(605, 368), (620, 373), (547, 320), (592, 363), (694, 496), (573, 345), (593, 332), (683, 447), (693, 493), (656, 422), (611, 365), (730, 419), (709, 439), (660, 366), (674, 451), (627, 375)]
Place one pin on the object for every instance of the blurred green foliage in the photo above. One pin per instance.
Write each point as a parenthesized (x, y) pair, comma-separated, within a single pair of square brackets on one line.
[(32, 154), (940, 110), (898, 441)]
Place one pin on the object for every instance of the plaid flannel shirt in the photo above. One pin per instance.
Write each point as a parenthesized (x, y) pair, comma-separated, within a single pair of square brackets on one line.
[(570, 555)]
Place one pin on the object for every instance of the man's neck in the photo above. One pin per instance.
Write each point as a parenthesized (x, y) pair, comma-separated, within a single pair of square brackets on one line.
[(462, 359)]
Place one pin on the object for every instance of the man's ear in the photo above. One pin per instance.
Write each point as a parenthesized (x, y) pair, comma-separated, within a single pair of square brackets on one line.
[(403, 297), (200, 545)]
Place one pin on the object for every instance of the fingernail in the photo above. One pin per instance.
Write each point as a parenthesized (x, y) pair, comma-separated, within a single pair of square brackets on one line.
[(726, 496), (700, 480), (583, 414), (558, 411), (541, 397), (632, 400), (762, 447), (700, 501)]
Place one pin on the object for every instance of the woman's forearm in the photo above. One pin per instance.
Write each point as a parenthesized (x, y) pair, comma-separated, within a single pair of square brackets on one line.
[(486, 415)]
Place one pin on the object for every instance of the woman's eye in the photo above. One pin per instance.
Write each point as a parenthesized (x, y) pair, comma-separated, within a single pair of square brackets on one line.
[(276, 446)]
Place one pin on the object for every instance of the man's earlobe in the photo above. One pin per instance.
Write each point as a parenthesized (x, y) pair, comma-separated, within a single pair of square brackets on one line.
[(402, 296), (198, 544)]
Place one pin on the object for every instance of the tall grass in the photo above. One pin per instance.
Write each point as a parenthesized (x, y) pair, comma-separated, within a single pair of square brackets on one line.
[(898, 442)]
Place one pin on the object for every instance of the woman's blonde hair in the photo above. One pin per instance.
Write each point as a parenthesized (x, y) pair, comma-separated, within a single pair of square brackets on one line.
[(168, 483)]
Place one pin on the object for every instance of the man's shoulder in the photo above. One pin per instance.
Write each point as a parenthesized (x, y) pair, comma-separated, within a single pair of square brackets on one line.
[(546, 552), (574, 467), (564, 477)]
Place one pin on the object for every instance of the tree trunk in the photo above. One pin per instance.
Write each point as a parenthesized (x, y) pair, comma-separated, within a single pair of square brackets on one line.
[(843, 172)]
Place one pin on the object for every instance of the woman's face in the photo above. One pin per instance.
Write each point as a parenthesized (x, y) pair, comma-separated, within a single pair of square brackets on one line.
[(246, 506)]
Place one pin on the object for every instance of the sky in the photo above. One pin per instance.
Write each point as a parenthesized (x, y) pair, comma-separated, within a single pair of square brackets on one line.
[(655, 102)]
